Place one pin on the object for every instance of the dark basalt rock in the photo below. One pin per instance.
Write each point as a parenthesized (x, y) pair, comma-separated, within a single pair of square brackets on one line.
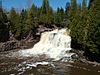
[(9, 45)]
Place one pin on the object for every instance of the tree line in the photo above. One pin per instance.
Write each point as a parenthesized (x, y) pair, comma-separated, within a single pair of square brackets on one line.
[(82, 20)]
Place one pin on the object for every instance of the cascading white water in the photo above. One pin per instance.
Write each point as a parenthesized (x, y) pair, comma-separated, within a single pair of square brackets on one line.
[(55, 44)]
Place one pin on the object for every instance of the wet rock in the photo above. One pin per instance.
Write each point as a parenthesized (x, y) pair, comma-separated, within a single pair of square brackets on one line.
[(75, 57), (9, 45)]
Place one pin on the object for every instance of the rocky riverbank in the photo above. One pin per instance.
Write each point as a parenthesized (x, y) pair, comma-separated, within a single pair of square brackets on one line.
[(32, 37), (13, 45), (84, 59), (9, 45)]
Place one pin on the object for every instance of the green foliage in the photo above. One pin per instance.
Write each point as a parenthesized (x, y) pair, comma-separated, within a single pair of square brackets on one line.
[(23, 17), (78, 24), (85, 25), (15, 25), (59, 17), (46, 13), (34, 15), (45, 7), (4, 30), (94, 36)]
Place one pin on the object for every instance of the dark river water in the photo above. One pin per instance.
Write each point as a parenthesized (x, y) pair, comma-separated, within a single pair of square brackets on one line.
[(10, 65)]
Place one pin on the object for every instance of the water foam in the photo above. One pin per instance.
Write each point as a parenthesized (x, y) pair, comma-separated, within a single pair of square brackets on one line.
[(55, 44)]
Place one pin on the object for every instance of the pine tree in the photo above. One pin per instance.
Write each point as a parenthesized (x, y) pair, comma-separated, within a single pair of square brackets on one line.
[(23, 17), (94, 37), (66, 19), (67, 8), (35, 15), (15, 25), (34, 10), (59, 17), (73, 5), (72, 12), (29, 21), (72, 15), (85, 23), (45, 7), (46, 13), (49, 16), (4, 28)]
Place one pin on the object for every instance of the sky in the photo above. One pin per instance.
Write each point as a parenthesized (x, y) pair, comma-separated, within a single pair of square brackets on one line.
[(19, 4)]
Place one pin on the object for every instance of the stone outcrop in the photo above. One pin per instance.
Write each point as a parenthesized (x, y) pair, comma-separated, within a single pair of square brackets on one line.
[(9, 45), (26, 42)]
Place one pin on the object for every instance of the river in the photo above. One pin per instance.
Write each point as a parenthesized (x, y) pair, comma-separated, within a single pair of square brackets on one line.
[(27, 66)]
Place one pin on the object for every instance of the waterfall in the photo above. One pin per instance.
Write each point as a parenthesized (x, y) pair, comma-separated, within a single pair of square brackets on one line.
[(55, 44)]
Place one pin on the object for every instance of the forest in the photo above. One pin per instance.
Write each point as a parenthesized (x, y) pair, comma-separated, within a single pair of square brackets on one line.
[(83, 21)]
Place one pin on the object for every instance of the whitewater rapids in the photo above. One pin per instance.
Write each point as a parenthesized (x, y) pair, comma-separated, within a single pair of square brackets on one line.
[(54, 44)]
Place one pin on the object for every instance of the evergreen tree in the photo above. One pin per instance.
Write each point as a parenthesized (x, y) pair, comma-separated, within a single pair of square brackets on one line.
[(66, 19), (94, 35), (49, 16), (72, 15), (73, 5), (85, 24), (23, 17), (46, 13), (4, 30), (34, 10), (67, 8), (45, 7), (72, 12), (35, 15), (60, 16), (29, 21), (15, 25)]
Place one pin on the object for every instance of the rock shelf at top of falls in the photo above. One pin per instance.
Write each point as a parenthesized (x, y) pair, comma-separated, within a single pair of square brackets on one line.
[(54, 44)]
